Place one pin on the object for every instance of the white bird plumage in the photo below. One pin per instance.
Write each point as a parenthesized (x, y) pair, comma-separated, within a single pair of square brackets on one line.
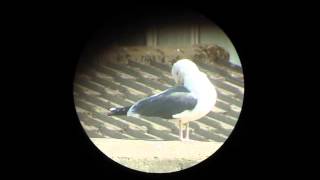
[(186, 73)]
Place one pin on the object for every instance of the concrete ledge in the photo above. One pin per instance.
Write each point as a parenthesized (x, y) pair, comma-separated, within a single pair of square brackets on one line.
[(156, 156)]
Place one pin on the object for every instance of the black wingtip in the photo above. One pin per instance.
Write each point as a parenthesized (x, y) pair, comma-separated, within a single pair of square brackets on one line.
[(111, 111), (118, 111)]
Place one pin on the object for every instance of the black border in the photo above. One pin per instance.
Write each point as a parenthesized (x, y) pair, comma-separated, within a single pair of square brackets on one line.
[(66, 149)]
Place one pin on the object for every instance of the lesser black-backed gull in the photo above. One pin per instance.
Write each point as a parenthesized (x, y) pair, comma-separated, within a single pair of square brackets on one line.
[(193, 98)]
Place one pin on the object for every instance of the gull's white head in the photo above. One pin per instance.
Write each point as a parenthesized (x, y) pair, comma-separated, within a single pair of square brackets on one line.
[(181, 68)]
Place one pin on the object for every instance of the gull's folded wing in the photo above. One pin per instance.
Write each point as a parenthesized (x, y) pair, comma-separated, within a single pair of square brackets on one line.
[(172, 101)]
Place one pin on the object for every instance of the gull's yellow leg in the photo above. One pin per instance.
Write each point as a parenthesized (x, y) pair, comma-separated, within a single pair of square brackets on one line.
[(180, 130), (187, 131)]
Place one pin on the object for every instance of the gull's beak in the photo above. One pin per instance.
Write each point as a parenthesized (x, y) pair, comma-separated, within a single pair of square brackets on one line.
[(179, 81), (176, 80), (177, 77)]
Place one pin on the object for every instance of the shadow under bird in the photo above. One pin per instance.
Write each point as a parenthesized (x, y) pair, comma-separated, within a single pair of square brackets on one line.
[(193, 97)]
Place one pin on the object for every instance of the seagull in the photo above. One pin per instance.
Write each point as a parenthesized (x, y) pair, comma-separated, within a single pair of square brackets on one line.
[(193, 97)]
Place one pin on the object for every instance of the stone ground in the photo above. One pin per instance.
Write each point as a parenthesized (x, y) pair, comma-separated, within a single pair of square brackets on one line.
[(156, 156)]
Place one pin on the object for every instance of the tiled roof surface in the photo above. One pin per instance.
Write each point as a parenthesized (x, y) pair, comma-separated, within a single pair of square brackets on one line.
[(102, 86)]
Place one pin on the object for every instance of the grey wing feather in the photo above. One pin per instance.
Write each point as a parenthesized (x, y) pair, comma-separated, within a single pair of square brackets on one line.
[(173, 101)]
